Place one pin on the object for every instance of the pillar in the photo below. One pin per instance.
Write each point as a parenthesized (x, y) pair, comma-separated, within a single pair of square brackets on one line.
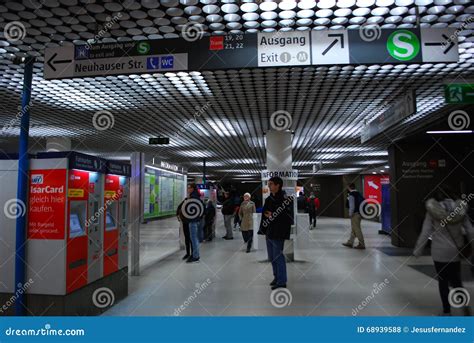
[(137, 160)]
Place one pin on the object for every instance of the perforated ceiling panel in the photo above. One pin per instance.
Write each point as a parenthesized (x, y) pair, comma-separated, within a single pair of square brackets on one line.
[(223, 115)]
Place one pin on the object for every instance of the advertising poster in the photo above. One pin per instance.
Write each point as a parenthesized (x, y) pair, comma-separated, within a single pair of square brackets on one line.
[(47, 204)]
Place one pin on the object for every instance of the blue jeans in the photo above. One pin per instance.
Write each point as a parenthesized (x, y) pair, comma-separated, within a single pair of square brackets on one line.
[(277, 258), (194, 228)]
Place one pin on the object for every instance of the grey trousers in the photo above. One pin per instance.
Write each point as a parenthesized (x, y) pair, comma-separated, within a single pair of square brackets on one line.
[(228, 220)]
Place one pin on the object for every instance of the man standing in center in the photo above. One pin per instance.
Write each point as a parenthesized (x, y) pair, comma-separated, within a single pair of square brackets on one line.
[(277, 218)]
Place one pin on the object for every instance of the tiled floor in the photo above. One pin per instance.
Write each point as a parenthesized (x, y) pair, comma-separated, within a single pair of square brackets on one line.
[(332, 280)]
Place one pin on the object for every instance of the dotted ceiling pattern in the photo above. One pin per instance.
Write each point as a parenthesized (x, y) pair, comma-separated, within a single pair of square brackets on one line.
[(223, 115)]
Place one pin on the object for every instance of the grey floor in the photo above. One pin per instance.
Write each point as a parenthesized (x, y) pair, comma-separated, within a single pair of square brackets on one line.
[(332, 280)]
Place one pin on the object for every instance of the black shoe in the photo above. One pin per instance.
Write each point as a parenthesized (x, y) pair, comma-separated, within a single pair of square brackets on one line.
[(228, 238), (185, 257), (192, 260), (278, 286), (274, 282), (248, 250)]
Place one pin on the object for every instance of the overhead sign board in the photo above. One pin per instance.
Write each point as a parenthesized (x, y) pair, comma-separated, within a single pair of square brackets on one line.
[(459, 93), (253, 50), (401, 109), (283, 49)]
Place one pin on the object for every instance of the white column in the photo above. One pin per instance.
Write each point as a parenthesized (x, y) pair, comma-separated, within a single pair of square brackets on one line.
[(54, 144)]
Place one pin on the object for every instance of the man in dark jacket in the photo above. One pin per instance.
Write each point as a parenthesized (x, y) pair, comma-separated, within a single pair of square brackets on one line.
[(228, 210), (192, 211), (277, 218)]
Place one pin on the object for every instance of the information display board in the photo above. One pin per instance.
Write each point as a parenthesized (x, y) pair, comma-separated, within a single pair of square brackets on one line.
[(163, 191)]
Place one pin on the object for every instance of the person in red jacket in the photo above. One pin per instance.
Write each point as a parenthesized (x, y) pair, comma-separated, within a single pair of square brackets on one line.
[(312, 206)]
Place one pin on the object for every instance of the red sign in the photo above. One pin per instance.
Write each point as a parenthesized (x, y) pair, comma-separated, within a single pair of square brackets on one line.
[(216, 43), (47, 204), (373, 187)]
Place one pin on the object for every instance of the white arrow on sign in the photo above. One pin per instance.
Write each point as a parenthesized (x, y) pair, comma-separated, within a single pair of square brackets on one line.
[(330, 47), (373, 185)]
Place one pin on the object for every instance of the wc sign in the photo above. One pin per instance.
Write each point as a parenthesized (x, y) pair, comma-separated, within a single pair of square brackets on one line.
[(160, 62)]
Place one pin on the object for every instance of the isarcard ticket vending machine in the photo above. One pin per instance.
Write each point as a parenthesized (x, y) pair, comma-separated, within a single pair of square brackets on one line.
[(10, 209), (116, 195), (64, 222)]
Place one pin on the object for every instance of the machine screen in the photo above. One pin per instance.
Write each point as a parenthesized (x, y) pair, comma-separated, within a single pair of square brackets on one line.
[(109, 221), (75, 227)]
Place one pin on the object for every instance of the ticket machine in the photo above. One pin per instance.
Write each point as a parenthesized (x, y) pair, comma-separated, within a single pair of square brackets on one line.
[(116, 194), (64, 222), (9, 210)]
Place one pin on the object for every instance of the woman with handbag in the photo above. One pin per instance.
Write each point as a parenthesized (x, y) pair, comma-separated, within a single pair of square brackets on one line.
[(451, 232)]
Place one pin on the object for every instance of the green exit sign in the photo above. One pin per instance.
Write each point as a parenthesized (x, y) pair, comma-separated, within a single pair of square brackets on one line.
[(459, 93)]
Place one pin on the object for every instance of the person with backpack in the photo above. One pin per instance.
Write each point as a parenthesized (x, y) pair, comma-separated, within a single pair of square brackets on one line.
[(312, 206), (448, 225), (192, 209), (354, 201)]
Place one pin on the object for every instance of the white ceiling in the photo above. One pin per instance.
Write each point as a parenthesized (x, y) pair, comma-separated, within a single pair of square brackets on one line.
[(223, 115)]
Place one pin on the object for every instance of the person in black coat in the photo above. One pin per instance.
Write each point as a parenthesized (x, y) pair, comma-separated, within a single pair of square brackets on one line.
[(209, 215), (277, 218)]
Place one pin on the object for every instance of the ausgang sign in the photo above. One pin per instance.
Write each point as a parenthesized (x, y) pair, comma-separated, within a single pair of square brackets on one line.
[(284, 174), (253, 50)]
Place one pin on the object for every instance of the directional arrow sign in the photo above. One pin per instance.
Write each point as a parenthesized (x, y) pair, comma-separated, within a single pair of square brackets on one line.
[(439, 45), (373, 185), (330, 47), (59, 61), (52, 61)]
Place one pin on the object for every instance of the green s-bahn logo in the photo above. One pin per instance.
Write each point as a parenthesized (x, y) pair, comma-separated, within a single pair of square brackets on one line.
[(403, 45), (143, 48)]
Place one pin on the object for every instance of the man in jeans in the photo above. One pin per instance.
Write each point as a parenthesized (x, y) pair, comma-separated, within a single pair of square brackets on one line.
[(354, 200), (228, 210), (276, 224)]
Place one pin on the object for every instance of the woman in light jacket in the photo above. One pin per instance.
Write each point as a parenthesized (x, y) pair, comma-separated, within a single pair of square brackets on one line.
[(446, 223), (246, 211)]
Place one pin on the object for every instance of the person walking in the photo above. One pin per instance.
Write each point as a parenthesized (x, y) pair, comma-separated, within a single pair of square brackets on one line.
[(209, 215), (277, 218), (246, 211), (448, 225), (354, 201), (228, 210), (193, 210), (312, 205)]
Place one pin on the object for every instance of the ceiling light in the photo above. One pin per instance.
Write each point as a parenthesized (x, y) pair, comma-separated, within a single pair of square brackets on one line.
[(448, 132)]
